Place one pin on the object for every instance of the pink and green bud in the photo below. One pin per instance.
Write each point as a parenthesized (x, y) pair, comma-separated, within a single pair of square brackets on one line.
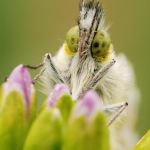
[(17, 109), (47, 130), (60, 98), (20, 82), (87, 128)]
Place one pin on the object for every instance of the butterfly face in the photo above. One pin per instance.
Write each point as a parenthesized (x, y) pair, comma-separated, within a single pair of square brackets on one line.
[(100, 47)]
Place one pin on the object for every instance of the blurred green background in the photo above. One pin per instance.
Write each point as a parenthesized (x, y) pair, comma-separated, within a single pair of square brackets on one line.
[(30, 28)]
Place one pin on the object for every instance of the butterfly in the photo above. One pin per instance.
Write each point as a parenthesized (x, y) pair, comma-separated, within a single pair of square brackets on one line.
[(87, 60)]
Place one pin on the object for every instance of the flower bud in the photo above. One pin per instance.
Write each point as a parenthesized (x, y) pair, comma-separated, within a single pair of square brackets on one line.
[(60, 98), (87, 128), (47, 130), (17, 108), (21, 82)]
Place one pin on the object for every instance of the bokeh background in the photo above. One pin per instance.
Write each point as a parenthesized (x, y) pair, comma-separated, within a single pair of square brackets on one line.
[(30, 28)]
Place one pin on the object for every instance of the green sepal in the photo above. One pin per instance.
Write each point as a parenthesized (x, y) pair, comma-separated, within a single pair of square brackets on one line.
[(144, 143), (14, 122), (65, 104), (85, 134), (99, 133), (77, 135), (46, 132)]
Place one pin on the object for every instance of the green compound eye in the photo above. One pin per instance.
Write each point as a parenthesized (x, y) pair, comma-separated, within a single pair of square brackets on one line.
[(100, 45), (72, 39)]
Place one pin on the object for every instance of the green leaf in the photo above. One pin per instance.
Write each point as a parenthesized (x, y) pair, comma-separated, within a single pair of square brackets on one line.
[(144, 143), (46, 132)]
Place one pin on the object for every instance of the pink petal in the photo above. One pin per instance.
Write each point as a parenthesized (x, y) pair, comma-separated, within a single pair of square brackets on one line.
[(59, 90), (89, 104), (20, 81)]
